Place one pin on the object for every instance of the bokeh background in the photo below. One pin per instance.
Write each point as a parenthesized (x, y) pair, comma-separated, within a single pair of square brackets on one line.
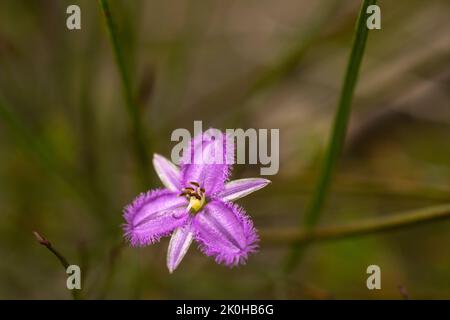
[(67, 165)]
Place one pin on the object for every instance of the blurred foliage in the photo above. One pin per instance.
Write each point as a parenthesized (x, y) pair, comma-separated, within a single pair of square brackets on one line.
[(249, 64)]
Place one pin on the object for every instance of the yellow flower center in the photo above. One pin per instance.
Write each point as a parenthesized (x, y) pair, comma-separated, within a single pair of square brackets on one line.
[(195, 195), (196, 204)]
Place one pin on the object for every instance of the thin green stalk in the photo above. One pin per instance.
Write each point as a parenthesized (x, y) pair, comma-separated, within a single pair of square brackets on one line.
[(140, 142), (58, 255), (386, 223), (338, 132)]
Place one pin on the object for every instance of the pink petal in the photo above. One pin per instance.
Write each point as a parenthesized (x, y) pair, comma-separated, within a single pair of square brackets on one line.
[(225, 232), (167, 172), (240, 188), (179, 244), (153, 215), (208, 161)]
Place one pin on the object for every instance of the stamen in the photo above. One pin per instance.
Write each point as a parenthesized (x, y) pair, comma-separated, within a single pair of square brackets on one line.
[(196, 196)]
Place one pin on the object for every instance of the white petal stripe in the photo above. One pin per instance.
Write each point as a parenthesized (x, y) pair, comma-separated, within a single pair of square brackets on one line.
[(168, 173), (179, 244), (240, 188)]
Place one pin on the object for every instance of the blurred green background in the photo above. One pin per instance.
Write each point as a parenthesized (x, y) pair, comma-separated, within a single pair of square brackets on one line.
[(67, 165)]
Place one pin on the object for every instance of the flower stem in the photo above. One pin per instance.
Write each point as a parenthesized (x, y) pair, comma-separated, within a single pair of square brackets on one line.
[(59, 256), (338, 132), (360, 228), (140, 142)]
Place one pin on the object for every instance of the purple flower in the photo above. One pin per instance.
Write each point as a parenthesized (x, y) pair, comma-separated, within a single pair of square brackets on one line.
[(196, 204)]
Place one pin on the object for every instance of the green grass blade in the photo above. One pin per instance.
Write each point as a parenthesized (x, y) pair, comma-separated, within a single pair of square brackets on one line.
[(140, 142), (369, 226), (339, 128)]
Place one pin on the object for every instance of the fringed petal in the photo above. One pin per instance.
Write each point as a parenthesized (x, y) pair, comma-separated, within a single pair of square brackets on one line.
[(225, 232), (153, 215), (208, 160)]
